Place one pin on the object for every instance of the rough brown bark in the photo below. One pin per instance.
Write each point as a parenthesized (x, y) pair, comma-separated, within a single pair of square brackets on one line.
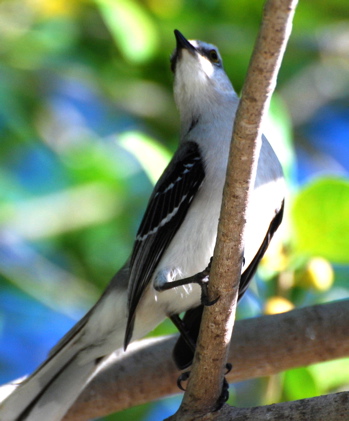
[(334, 407), (262, 346)]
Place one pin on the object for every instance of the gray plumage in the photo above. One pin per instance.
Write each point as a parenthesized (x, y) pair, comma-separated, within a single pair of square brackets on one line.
[(176, 238)]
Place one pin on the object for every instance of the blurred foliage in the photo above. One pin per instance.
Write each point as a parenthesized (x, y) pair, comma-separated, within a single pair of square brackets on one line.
[(316, 231), (87, 123)]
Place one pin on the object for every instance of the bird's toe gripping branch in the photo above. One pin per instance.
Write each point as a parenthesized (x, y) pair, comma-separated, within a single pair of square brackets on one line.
[(224, 396), (225, 390), (183, 378), (201, 278)]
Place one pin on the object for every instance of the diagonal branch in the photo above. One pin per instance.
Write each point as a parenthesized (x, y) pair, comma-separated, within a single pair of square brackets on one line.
[(308, 335), (331, 407)]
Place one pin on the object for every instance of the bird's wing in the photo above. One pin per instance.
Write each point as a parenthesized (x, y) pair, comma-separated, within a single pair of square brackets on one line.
[(182, 352), (165, 212)]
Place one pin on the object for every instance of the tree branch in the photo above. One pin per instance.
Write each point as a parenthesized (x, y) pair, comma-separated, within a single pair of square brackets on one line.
[(331, 407), (262, 346), (206, 379)]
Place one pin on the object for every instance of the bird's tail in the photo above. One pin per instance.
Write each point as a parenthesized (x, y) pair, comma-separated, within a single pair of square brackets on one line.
[(52, 389)]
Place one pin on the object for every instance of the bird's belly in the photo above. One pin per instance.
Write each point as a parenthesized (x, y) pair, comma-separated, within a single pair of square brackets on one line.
[(189, 253)]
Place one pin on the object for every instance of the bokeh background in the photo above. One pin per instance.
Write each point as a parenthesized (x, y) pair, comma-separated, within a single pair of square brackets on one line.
[(87, 123)]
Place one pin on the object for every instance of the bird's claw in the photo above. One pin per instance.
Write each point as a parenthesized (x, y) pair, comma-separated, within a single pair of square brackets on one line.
[(225, 390), (183, 378), (224, 396), (229, 367), (202, 281)]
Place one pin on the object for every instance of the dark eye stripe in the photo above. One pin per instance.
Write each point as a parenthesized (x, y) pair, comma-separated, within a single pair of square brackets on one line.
[(208, 54)]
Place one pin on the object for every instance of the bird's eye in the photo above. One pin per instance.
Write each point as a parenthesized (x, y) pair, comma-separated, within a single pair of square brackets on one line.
[(213, 56)]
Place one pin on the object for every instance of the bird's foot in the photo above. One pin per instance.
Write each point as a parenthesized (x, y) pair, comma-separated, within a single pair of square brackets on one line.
[(224, 396), (183, 378), (201, 278)]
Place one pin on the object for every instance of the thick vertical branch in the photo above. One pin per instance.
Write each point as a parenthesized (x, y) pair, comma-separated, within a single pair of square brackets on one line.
[(204, 387)]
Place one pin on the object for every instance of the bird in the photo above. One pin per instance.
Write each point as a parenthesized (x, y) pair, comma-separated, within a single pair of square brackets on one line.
[(175, 240)]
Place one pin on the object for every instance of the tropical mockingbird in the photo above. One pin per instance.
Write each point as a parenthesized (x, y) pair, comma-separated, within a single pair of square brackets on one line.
[(175, 240)]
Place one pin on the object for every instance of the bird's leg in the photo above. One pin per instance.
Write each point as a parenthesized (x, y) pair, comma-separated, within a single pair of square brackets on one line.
[(201, 278), (180, 325), (178, 322)]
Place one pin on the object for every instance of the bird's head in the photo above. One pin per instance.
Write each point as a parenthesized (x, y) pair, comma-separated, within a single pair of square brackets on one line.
[(200, 79)]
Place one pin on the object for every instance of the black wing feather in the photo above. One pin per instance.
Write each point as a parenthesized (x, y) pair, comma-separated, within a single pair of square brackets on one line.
[(165, 213)]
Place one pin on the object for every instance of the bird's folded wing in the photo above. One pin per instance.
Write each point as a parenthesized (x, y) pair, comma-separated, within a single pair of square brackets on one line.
[(165, 212)]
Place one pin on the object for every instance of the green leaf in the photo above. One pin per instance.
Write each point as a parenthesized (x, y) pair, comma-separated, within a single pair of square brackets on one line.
[(299, 383), (320, 215), (331, 375), (132, 28)]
